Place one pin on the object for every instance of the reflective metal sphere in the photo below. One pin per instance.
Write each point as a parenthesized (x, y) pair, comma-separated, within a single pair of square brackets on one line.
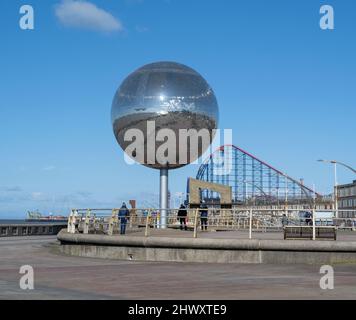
[(172, 95)]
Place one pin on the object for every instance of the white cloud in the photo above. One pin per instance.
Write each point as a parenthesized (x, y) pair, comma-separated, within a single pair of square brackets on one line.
[(85, 15)]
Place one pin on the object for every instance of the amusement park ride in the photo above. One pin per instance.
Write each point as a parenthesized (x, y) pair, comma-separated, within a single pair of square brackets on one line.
[(252, 181)]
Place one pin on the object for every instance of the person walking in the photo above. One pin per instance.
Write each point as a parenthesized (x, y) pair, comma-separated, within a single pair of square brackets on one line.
[(203, 216), (123, 215), (284, 220), (182, 217)]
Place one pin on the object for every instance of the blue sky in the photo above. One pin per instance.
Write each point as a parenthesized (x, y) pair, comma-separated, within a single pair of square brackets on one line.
[(284, 86)]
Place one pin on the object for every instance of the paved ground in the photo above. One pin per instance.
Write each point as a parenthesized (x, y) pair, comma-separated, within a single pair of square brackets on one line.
[(65, 277)]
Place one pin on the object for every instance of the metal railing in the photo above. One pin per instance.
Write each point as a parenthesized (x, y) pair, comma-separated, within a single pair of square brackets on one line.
[(106, 221)]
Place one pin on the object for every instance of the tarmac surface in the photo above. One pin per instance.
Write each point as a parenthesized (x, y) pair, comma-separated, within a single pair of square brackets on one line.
[(67, 277)]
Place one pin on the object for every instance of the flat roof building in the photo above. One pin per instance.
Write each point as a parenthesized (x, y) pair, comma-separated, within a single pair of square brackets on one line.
[(347, 198)]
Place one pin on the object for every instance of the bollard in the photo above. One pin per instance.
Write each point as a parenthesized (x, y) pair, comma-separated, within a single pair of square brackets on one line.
[(195, 223)]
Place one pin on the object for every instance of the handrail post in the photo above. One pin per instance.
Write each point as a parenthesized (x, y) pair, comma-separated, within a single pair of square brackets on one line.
[(115, 215), (69, 224), (74, 220), (131, 215), (250, 227), (86, 223), (313, 219), (111, 226), (94, 222), (158, 220), (195, 223), (147, 224), (112, 223)]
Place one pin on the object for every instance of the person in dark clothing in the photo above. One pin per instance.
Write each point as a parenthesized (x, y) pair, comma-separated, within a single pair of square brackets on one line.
[(284, 220), (308, 219), (123, 215), (203, 216), (182, 217)]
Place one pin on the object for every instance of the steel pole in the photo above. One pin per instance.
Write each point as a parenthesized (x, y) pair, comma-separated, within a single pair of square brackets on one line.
[(163, 197), (336, 192)]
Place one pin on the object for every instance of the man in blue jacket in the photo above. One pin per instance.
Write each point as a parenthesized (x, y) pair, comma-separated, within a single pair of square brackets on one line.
[(123, 215)]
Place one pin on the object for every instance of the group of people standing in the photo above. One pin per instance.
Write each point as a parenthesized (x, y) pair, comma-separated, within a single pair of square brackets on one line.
[(182, 216)]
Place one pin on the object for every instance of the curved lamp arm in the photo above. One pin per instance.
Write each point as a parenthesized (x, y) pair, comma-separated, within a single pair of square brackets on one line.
[(340, 163), (346, 166)]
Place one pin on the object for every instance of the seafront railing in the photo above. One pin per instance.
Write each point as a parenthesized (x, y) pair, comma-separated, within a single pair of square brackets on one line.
[(106, 221)]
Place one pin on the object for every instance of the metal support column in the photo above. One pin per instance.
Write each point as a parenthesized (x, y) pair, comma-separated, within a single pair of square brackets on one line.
[(163, 197)]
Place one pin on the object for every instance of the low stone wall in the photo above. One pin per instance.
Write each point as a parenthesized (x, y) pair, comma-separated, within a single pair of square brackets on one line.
[(31, 229), (207, 250)]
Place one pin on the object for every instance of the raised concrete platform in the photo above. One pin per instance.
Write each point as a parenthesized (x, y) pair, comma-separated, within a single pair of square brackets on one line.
[(59, 276), (185, 249)]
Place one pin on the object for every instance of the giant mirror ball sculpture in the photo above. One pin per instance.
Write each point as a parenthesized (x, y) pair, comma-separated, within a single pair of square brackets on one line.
[(172, 95)]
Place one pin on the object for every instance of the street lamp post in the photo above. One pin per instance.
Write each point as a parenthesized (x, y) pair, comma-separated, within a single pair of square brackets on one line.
[(285, 194), (334, 162)]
